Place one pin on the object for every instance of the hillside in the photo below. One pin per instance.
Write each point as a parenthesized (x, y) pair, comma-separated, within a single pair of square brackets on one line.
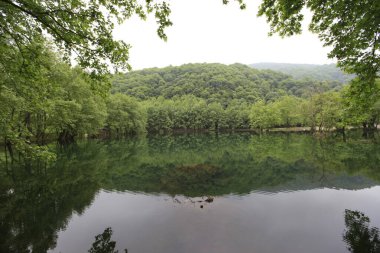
[(327, 72), (216, 83)]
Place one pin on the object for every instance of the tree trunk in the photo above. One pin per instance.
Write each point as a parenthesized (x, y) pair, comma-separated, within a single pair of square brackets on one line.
[(66, 137), (369, 129), (27, 121), (8, 146)]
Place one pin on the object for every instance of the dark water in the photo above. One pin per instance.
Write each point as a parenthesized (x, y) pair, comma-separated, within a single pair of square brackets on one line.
[(198, 193)]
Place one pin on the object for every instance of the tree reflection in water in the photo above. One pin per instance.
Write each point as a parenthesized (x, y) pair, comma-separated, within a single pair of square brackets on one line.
[(360, 238), (37, 203), (103, 243)]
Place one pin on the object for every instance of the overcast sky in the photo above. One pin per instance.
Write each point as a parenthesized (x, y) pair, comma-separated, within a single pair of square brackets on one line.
[(208, 31)]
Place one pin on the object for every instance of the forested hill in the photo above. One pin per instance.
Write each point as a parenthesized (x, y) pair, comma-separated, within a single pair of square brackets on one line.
[(216, 83), (327, 72)]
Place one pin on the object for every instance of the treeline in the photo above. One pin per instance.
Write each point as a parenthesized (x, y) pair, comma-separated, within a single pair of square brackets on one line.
[(320, 112)]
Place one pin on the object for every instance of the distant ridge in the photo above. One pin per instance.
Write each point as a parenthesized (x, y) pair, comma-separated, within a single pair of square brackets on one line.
[(326, 72)]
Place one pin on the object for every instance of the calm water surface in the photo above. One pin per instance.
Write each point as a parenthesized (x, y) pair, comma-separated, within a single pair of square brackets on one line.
[(198, 193)]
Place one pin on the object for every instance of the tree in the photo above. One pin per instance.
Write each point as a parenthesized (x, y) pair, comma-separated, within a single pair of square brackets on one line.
[(80, 28), (42, 98), (24, 89), (75, 109), (264, 116), (159, 112), (362, 104), (290, 110), (324, 111), (103, 243), (350, 27), (125, 115), (358, 235)]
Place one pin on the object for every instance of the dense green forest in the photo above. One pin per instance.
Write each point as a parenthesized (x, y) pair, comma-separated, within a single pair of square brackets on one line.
[(217, 83), (326, 72), (217, 96), (44, 99)]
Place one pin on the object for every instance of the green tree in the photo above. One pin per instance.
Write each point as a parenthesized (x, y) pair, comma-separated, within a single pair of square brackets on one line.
[(323, 111), (237, 115), (362, 104), (350, 27), (215, 117), (24, 91), (289, 108), (44, 99), (75, 110), (159, 113), (78, 27), (125, 115), (264, 116), (103, 243), (358, 235)]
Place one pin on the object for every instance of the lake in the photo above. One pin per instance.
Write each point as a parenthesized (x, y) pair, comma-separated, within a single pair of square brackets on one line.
[(201, 193)]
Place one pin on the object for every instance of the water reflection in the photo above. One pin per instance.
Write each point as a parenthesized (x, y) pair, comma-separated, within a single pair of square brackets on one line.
[(104, 244), (239, 164), (195, 201), (359, 236), (35, 204)]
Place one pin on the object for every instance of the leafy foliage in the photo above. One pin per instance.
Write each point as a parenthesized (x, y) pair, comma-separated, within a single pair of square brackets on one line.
[(350, 27), (216, 83), (216, 96), (103, 243), (125, 115), (358, 235), (362, 103), (80, 28)]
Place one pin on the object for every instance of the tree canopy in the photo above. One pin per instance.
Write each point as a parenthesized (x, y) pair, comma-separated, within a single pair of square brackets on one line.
[(350, 27), (217, 83), (80, 28)]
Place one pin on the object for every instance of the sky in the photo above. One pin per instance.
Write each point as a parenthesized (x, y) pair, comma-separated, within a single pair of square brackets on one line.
[(208, 31)]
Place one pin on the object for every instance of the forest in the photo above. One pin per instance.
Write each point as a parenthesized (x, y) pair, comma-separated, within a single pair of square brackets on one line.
[(217, 97), (45, 99)]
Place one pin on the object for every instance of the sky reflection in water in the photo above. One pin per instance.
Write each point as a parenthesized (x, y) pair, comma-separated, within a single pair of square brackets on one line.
[(272, 193)]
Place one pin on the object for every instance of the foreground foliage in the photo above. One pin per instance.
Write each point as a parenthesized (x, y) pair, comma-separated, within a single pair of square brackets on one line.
[(81, 29), (349, 27)]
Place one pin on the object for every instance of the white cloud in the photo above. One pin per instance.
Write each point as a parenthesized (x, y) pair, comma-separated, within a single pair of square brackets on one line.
[(208, 31)]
